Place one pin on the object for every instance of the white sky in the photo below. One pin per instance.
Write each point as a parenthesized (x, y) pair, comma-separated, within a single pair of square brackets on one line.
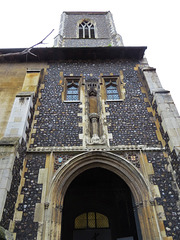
[(151, 23)]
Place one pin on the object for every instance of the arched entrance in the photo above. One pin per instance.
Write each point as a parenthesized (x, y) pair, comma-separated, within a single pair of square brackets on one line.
[(125, 170), (98, 205)]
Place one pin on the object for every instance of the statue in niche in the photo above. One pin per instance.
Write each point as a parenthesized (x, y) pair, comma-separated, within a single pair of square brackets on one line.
[(94, 126)]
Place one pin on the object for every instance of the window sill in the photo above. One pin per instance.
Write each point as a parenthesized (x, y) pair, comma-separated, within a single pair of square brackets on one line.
[(70, 101), (115, 100)]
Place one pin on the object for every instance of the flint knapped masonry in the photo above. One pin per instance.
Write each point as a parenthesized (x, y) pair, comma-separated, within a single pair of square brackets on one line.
[(89, 140)]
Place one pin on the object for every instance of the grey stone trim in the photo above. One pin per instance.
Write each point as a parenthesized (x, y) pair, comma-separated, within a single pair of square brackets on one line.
[(165, 107), (5, 234), (61, 26), (18, 120), (116, 39), (33, 70), (115, 100), (7, 157), (95, 148), (75, 101), (25, 94), (152, 79), (85, 12), (9, 141)]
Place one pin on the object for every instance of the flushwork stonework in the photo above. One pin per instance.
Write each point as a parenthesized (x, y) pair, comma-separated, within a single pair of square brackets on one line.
[(90, 140)]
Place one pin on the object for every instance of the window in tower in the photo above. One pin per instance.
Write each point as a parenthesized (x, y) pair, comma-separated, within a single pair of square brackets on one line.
[(86, 30)]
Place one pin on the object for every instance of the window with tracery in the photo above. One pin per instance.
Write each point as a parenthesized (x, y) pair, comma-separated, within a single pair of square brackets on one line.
[(72, 86), (86, 30), (91, 220), (72, 93), (111, 89)]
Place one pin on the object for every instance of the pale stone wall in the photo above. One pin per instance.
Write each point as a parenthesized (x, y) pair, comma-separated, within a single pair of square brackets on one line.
[(11, 83), (18, 88)]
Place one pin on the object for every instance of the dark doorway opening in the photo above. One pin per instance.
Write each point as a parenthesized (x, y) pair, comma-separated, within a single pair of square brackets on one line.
[(98, 191)]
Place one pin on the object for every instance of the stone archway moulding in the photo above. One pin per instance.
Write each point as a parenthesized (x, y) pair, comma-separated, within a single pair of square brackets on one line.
[(117, 164), (123, 168)]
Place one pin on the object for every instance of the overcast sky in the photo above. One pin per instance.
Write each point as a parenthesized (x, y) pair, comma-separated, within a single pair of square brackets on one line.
[(153, 23)]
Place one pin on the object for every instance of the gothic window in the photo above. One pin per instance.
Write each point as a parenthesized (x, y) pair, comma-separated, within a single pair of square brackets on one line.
[(91, 220), (72, 92), (86, 30), (111, 89), (72, 86)]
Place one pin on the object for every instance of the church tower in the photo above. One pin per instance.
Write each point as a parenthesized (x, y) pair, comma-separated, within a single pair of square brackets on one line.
[(87, 29), (90, 140)]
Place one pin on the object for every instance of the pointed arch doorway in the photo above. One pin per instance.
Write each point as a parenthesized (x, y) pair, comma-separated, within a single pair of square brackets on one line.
[(53, 225), (98, 205)]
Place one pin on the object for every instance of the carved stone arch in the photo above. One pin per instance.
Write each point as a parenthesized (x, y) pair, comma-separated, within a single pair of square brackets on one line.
[(117, 164), (114, 163)]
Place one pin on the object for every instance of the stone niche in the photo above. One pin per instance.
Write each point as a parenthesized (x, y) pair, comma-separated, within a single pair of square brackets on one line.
[(95, 134)]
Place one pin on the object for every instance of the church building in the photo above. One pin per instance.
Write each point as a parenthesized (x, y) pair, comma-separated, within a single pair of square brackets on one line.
[(89, 139)]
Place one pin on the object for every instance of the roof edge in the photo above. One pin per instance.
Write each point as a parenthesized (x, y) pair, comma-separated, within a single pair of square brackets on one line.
[(71, 53), (86, 12)]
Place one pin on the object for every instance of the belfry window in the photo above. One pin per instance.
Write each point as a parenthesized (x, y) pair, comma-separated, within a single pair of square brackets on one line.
[(72, 93), (91, 220), (86, 30), (111, 89)]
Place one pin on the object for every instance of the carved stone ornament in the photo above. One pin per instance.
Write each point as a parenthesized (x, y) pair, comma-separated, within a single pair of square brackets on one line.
[(46, 205)]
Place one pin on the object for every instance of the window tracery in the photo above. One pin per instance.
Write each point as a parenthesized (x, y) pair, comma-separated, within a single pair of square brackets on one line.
[(71, 88), (112, 87), (111, 90), (72, 91), (86, 30)]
